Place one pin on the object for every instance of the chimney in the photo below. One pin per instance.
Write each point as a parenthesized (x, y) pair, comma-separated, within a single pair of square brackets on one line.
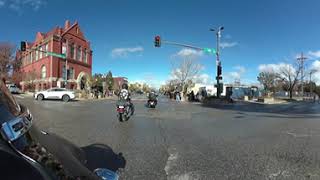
[(67, 24)]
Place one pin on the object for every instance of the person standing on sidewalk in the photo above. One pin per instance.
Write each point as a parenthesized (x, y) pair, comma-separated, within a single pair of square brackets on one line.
[(178, 96)]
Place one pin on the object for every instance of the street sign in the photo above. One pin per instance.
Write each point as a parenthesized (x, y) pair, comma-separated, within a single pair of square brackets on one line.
[(209, 50), (56, 55)]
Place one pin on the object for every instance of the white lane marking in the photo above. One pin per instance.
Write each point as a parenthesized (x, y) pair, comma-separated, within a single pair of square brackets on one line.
[(278, 174), (295, 135), (184, 177), (172, 160), (19, 96)]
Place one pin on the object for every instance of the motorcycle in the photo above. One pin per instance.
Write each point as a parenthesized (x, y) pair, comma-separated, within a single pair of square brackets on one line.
[(125, 109), (29, 153), (152, 103)]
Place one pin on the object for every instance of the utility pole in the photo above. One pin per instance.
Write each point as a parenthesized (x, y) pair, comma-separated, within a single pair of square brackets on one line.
[(310, 82), (301, 60), (218, 62)]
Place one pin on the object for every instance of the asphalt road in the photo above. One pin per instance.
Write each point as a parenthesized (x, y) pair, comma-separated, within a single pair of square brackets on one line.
[(189, 141)]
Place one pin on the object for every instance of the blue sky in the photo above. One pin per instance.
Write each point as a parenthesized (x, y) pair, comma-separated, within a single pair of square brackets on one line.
[(121, 32)]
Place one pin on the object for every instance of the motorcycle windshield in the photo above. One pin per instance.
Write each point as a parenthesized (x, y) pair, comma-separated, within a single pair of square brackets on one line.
[(9, 108), (121, 102), (58, 157)]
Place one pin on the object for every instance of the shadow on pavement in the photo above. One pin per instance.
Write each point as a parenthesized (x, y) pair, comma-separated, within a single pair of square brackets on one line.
[(58, 100), (286, 109), (102, 156)]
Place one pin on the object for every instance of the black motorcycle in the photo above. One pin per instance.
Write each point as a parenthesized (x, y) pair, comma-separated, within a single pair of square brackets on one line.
[(29, 153), (152, 103), (125, 108)]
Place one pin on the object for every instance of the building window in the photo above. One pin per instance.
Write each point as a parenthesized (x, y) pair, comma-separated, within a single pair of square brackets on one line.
[(77, 30), (71, 73), (46, 48), (29, 57), (37, 55), (43, 72), (84, 56), (78, 53), (71, 50), (41, 53), (63, 72), (64, 48)]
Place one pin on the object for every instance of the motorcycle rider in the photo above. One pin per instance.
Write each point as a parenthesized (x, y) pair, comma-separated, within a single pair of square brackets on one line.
[(125, 95), (152, 97)]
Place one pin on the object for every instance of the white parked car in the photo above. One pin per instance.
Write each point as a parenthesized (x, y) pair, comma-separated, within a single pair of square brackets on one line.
[(55, 93), (13, 88)]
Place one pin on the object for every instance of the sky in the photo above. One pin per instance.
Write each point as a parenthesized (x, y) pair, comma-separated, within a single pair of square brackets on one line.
[(256, 34)]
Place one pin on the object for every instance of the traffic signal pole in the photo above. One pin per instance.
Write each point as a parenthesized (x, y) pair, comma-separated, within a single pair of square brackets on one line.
[(183, 45), (218, 64)]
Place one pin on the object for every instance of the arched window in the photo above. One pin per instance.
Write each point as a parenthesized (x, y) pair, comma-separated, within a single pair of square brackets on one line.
[(43, 72)]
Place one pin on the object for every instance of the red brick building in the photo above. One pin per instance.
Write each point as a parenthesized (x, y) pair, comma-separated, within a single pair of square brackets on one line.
[(42, 71), (118, 81)]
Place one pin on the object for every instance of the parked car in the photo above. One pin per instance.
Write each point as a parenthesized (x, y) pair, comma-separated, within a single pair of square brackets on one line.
[(55, 93), (13, 88)]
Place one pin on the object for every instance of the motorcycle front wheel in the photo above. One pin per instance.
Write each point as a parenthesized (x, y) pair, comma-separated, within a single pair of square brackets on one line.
[(120, 116)]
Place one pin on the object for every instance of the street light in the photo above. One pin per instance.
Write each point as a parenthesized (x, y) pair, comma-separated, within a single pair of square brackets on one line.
[(219, 67)]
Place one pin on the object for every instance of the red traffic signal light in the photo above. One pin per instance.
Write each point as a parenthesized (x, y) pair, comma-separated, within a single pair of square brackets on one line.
[(157, 41), (23, 46)]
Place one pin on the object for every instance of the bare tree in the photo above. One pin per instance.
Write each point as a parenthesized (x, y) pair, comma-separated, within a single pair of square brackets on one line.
[(289, 75), (268, 80), (186, 71), (30, 77), (6, 59)]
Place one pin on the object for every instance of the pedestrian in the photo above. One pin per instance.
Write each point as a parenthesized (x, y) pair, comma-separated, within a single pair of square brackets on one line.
[(177, 96), (192, 96)]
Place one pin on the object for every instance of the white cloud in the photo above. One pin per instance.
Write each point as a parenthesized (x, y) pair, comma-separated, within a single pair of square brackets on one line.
[(316, 66), (235, 75), (228, 44), (186, 52), (124, 52), (203, 79), (2, 3), (275, 67), (268, 67), (314, 54), (20, 5), (240, 69)]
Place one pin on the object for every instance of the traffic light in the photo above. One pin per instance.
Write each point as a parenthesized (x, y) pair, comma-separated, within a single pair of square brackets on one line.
[(219, 70), (23, 46), (157, 41)]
